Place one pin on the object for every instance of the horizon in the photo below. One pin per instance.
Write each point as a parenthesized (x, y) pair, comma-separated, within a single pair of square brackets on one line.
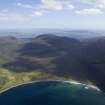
[(42, 28), (32, 33)]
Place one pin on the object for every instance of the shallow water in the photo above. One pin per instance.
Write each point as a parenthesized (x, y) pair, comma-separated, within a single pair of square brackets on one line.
[(52, 93)]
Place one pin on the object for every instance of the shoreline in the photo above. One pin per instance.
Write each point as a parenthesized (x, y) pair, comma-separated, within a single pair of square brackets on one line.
[(87, 86)]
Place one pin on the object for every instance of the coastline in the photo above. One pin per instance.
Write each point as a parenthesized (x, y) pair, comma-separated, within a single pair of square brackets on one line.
[(87, 86)]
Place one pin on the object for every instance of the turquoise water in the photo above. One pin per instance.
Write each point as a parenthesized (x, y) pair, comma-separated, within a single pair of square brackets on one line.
[(52, 93)]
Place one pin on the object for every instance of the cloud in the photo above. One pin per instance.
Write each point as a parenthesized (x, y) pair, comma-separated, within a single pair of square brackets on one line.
[(37, 13), (25, 5), (90, 11), (101, 3), (70, 6), (13, 17), (97, 3), (57, 4), (46, 6), (89, 1), (50, 5)]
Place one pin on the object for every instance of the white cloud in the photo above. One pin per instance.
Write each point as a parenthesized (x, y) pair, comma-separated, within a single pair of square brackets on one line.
[(47, 6), (70, 6), (60, 5), (90, 11), (37, 13), (57, 4), (100, 3), (25, 5), (6, 16), (88, 1), (97, 3), (51, 5)]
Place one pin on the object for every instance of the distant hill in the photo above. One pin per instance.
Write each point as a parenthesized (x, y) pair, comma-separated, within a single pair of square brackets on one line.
[(49, 45), (41, 51), (8, 48), (81, 60)]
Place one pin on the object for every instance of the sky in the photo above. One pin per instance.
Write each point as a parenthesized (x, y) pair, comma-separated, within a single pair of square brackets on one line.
[(62, 14)]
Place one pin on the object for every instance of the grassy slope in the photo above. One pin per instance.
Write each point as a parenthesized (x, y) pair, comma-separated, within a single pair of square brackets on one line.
[(9, 78)]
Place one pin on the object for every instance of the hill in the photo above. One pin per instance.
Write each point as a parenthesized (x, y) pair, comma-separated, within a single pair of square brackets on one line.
[(82, 60), (41, 51)]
